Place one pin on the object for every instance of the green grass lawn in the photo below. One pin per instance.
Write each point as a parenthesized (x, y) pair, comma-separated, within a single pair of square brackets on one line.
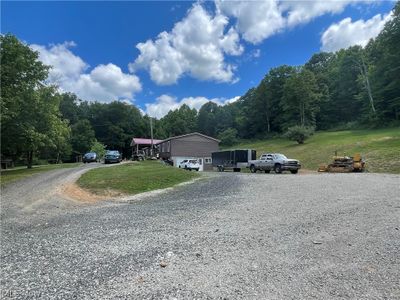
[(134, 178), (14, 174), (380, 148)]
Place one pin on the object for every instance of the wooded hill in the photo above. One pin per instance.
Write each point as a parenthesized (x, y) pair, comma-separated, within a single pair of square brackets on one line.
[(352, 88)]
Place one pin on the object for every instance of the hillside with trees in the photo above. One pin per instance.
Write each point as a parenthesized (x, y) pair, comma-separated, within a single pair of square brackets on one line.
[(348, 89), (351, 88)]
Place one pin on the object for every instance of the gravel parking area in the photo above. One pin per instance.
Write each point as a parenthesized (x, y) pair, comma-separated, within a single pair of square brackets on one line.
[(232, 236)]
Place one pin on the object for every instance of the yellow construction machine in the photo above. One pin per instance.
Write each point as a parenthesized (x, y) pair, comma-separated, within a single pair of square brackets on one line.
[(344, 164)]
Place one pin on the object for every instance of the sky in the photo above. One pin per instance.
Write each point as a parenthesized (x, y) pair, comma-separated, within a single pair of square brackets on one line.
[(159, 55)]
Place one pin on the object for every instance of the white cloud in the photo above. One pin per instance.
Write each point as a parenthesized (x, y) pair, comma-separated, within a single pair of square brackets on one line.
[(348, 33), (196, 46), (104, 83), (300, 12), (256, 20), (260, 19), (165, 103), (232, 100)]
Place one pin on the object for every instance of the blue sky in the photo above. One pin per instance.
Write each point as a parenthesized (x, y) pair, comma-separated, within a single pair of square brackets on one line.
[(207, 50)]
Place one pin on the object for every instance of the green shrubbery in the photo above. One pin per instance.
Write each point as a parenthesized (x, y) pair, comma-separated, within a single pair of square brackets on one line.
[(299, 133)]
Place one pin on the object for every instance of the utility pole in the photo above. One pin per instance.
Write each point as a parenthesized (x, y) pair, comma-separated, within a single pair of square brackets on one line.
[(151, 133)]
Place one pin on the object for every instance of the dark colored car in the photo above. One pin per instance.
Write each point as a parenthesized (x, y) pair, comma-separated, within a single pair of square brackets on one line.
[(89, 157), (112, 156)]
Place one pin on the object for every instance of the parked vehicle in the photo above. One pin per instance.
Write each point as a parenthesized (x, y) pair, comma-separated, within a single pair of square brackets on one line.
[(276, 162), (89, 157), (190, 164), (232, 159), (112, 156)]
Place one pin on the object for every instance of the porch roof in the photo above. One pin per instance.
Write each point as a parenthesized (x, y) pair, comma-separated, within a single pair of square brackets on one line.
[(143, 141)]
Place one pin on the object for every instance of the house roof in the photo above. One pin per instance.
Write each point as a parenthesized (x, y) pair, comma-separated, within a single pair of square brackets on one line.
[(142, 141), (189, 134)]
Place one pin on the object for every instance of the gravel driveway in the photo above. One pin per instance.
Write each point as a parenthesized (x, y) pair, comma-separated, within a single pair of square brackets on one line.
[(232, 236)]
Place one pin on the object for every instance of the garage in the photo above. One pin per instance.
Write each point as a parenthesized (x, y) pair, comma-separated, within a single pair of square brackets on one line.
[(189, 146)]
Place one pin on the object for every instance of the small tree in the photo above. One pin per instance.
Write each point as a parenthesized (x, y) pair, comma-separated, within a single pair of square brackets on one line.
[(228, 137), (299, 133), (99, 149)]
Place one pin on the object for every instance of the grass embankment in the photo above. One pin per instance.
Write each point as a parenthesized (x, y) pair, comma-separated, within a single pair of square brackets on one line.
[(11, 175), (380, 148), (134, 178)]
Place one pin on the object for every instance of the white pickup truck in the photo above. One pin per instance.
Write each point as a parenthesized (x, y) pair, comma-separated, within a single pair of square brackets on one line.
[(276, 162)]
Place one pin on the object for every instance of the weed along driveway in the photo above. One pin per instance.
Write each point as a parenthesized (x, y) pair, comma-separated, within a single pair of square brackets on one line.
[(235, 236)]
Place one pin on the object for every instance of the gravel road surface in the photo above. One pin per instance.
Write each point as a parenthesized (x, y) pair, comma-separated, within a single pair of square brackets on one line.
[(231, 236)]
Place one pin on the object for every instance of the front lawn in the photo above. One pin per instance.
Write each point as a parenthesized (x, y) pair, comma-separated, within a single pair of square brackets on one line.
[(134, 178)]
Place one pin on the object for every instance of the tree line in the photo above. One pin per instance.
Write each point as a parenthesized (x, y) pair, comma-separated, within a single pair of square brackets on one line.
[(350, 88)]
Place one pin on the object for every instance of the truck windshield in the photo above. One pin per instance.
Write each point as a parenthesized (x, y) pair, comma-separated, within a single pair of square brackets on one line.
[(281, 156)]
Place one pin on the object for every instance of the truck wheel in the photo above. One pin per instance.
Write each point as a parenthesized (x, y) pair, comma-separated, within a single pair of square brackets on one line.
[(253, 169), (267, 171), (294, 171), (278, 169)]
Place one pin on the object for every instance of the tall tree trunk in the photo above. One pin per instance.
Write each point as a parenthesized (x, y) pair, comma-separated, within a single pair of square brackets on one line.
[(29, 158), (363, 69)]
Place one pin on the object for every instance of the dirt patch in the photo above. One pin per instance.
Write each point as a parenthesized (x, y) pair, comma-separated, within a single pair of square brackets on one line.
[(307, 172), (74, 192)]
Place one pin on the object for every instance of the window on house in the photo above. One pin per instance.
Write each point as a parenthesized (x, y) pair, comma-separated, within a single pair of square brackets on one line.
[(207, 160)]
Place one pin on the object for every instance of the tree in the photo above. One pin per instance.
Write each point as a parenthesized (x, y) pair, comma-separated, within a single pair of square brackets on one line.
[(274, 83), (99, 149), (69, 108), (206, 121), (179, 121), (30, 117), (320, 65), (228, 137), (383, 60), (300, 99), (83, 137), (115, 123), (21, 74)]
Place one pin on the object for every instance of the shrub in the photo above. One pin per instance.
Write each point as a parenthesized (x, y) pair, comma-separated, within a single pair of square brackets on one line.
[(299, 133)]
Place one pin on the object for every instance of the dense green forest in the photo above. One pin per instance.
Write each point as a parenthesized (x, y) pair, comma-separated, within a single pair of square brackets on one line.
[(352, 88)]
